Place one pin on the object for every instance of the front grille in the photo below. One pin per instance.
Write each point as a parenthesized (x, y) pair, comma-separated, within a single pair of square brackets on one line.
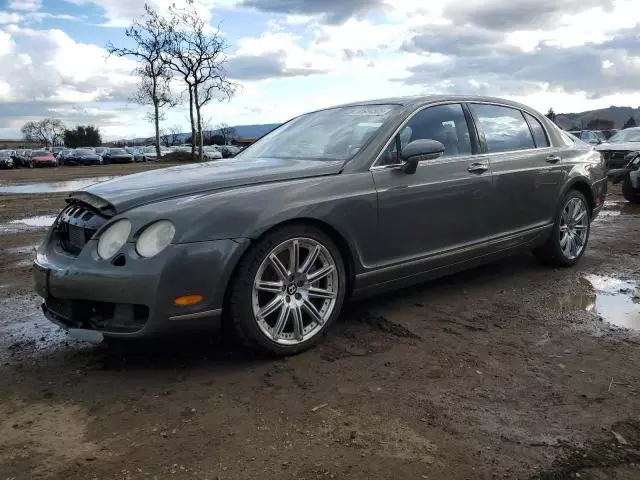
[(102, 316), (76, 225)]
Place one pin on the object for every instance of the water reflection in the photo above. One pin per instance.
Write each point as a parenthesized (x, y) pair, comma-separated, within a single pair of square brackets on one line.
[(616, 301), (52, 187), (29, 223)]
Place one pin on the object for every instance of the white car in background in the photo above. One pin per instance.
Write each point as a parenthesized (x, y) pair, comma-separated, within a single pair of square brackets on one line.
[(211, 153)]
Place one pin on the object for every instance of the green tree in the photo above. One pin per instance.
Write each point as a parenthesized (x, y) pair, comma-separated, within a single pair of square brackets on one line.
[(630, 123), (599, 124), (551, 115), (48, 131), (83, 136)]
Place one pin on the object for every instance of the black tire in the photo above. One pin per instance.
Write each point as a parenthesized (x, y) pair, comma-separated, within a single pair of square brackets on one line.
[(240, 317), (551, 253), (628, 192)]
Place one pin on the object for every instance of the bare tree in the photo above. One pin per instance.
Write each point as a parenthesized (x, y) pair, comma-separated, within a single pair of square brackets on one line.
[(48, 131), (226, 131), (151, 38), (198, 57)]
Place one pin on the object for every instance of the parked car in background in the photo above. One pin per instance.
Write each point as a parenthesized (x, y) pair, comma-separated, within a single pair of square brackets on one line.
[(315, 212), (609, 133), (56, 150), (117, 155), (211, 153), (100, 150), (22, 158), (228, 151), (43, 158), (136, 153), (82, 156), (62, 154), (592, 137), (615, 150), (629, 176), (6, 160)]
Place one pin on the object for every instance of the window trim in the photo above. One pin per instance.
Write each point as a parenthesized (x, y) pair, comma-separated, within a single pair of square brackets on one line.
[(374, 166)]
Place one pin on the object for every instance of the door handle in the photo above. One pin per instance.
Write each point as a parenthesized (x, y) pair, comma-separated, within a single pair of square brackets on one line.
[(553, 159), (478, 167)]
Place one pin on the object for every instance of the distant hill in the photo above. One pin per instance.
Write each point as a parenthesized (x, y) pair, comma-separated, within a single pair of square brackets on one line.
[(618, 115), (242, 131)]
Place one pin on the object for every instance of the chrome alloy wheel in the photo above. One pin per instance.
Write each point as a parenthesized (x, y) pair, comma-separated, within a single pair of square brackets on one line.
[(574, 228), (295, 291)]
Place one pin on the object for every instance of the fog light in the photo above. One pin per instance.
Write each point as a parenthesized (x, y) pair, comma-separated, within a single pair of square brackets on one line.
[(188, 300)]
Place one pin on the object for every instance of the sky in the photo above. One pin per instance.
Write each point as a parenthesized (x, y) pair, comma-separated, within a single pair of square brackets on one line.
[(292, 56)]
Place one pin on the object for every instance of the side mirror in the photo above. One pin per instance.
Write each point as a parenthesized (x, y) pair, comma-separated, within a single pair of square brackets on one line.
[(420, 150)]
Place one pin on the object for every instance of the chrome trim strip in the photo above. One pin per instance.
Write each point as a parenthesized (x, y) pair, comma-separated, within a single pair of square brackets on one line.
[(445, 253), (374, 167), (194, 316)]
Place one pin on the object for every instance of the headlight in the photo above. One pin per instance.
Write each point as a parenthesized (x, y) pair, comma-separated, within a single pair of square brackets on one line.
[(155, 238), (113, 239)]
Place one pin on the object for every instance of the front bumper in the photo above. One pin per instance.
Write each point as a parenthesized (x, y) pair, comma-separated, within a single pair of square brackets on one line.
[(134, 297)]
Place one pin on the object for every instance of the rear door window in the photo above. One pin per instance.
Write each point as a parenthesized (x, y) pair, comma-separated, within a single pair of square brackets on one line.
[(504, 128), (539, 135)]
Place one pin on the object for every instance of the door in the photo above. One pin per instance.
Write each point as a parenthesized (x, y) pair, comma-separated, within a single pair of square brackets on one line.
[(527, 170), (438, 209)]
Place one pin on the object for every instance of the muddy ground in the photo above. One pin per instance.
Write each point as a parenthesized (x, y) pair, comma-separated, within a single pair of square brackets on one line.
[(505, 371)]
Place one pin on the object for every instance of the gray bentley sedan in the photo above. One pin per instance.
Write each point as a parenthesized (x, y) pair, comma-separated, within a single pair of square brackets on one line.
[(334, 204)]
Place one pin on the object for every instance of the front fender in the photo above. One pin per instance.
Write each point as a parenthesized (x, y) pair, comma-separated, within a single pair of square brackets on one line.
[(346, 202)]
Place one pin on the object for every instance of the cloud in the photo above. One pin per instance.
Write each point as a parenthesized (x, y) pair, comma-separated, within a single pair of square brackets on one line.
[(268, 65), (27, 5), (456, 40), (121, 13), (608, 68), (9, 17), (508, 15), (330, 11), (41, 76)]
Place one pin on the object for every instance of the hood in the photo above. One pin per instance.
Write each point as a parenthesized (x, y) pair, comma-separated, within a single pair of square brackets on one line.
[(629, 146), (130, 191)]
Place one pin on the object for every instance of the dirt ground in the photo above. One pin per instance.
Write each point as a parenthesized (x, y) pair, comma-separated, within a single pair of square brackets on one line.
[(505, 371)]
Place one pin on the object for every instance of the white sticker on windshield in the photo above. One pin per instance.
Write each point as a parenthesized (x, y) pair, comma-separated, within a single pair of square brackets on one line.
[(369, 110), (370, 124)]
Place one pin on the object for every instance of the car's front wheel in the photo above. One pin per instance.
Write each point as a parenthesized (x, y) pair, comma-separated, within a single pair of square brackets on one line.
[(570, 234), (287, 291)]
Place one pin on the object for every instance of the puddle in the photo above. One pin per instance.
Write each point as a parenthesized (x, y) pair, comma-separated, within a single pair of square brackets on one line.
[(52, 187), (30, 223), (24, 250), (616, 301), (612, 209)]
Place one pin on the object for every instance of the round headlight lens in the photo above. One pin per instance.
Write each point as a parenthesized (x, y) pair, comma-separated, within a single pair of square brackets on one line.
[(113, 239), (155, 238)]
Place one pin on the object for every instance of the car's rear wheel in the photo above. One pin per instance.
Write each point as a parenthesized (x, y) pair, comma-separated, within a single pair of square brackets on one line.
[(628, 192), (287, 291), (570, 234)]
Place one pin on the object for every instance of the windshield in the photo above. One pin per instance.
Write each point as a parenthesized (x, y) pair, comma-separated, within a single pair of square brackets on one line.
[(334, 134), (627, 135), (118, 151), (149, 150), (84, 151), (40, 153)]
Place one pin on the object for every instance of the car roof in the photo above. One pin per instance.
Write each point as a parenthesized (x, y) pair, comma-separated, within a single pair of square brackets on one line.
[(419, 100)]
